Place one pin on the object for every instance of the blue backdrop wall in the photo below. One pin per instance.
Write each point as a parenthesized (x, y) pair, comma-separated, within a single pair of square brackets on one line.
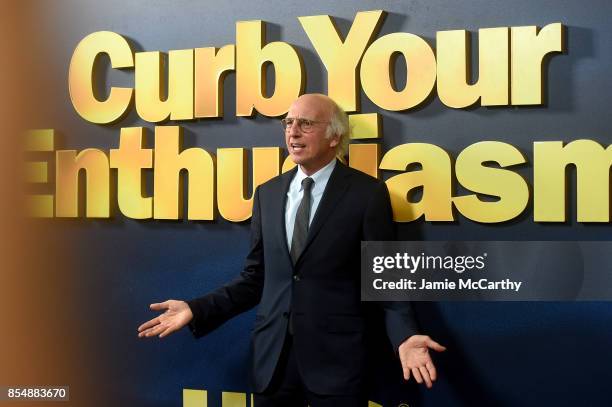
[(504, 354)]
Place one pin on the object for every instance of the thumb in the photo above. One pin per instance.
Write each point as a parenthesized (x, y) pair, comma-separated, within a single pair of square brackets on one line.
[(159, 306), (435, 345)]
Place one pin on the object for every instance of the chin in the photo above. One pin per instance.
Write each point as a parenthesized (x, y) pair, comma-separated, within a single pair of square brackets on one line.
[(297, 160)]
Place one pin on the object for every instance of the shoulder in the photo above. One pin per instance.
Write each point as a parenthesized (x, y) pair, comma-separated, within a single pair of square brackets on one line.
[(360, 179), (277, 183)]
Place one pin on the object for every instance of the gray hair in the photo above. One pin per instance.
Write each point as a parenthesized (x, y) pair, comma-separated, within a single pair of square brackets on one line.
[(339, 126)]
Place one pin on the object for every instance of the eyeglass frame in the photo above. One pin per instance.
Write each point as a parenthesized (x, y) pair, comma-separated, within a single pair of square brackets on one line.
[(301, 122)]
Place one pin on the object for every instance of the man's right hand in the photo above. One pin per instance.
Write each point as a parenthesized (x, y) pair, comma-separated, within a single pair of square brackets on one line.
[(176, 315)]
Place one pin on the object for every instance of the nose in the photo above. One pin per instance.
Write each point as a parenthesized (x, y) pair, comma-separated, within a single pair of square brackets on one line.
[(294, 129)]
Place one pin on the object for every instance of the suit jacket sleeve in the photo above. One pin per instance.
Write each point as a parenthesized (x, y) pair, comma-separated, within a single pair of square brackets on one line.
[(378, 225), (241, 294)]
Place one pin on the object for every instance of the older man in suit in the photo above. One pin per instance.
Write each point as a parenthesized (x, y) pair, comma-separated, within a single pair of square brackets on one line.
[(309, 339)]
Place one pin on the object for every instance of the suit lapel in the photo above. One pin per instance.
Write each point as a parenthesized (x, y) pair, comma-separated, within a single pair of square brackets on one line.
[(334, 190), (281, 230)]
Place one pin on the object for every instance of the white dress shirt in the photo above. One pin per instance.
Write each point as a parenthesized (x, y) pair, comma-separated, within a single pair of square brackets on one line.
[(296, 192)]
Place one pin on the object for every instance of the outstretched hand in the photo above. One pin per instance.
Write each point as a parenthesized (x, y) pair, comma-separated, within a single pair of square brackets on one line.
[(176, 315), (415, 358)]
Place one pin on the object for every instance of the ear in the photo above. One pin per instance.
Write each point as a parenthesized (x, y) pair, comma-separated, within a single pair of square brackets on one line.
[(334, 141)]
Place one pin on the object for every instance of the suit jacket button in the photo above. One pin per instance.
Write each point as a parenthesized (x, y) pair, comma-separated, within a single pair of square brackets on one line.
[(285, 314), (296, 278)]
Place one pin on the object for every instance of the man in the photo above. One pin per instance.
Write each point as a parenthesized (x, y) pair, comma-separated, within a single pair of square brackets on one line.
[(309, 339)]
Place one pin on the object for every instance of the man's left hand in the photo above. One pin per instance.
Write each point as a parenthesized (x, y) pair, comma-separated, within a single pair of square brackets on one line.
[(415, 358)]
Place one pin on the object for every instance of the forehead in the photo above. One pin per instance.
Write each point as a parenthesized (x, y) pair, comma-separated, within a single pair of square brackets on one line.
[(310, 107)]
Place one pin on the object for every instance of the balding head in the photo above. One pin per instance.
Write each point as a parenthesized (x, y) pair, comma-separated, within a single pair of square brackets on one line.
[(325, 109), (326, 135)]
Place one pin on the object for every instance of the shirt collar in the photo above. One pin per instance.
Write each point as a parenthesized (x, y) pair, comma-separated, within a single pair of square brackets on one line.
[(322, 174)]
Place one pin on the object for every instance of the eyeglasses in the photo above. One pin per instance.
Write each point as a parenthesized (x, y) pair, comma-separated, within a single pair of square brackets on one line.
[(304, 125)]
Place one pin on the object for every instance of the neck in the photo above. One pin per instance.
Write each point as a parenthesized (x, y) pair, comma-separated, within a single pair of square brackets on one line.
[(311, 169)]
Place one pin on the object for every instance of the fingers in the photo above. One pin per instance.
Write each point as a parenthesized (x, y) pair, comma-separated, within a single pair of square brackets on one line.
[(417, 375), (406, 370), (415, 359), (154, 326), (434, 345), (167, 331), (148, 324), (156, 330), (146, 332), (425, 374), (432, 371)]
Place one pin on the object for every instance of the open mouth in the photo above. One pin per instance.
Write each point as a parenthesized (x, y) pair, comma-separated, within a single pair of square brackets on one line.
[(297, 146)]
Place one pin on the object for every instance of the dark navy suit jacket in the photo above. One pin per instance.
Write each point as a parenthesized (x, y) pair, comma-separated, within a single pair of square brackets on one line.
[(322, 289)]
